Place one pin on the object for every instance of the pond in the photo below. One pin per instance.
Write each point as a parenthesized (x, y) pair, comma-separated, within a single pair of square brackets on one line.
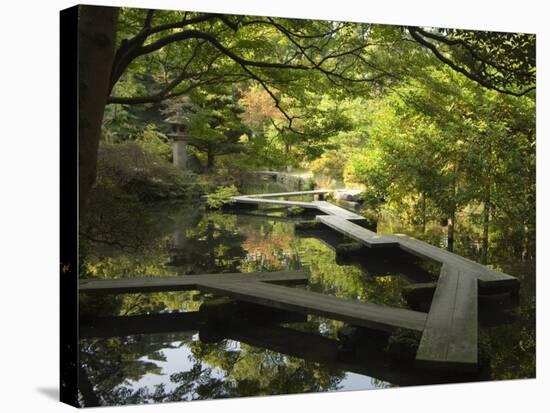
[(240, 358)]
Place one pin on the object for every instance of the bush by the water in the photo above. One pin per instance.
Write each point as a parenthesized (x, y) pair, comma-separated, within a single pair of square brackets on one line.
[(132, 169), (222, 196)]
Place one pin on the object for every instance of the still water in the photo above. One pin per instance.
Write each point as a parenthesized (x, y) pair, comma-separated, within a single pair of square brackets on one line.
[(241, 359)]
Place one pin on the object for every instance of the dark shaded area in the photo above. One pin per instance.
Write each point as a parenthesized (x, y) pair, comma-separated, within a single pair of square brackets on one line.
[(68, 260)]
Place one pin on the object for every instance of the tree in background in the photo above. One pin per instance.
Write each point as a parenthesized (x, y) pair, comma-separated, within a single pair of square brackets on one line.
[(442, 140), (215, 126)]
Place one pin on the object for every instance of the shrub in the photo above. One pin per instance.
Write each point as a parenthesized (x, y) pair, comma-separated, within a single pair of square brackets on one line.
[(132, 169), (222, 196), (330, 164), (154, 142)]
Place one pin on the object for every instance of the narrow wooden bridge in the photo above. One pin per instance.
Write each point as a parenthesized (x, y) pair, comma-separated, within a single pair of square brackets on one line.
[(449, 330), (449, 338), (261, 288)]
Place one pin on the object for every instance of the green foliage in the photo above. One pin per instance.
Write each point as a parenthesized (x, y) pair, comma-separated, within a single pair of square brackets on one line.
[(330, 164), (222, 196), (505, 62), (441, 145), (154, 142)]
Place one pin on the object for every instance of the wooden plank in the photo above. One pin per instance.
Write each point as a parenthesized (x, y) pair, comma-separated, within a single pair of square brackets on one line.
[(258, 201), (427, 251), (290, 194), (463, 341), (331, 209), (450, 335), (356, 232), (323, 206), (186, 282), (293, 299), (493, 279), (424, 250)]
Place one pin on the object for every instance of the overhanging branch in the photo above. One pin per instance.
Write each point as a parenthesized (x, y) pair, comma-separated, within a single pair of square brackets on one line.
[(415, 34)]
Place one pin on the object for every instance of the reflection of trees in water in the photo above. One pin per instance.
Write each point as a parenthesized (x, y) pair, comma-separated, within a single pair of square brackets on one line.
[(268, 246), (111, 362), (114, 365), (216, 242), (347, 281), (213, 245), (256, 371), (116, 222)]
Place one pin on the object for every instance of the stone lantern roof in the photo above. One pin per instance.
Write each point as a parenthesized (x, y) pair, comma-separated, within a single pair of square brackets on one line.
[(178, 119), (179, 124)]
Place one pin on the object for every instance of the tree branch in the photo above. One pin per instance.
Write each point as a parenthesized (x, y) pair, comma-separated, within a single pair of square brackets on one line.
[(414, 32)]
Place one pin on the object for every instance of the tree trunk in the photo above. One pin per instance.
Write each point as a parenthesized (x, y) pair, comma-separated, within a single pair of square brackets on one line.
[(423, 213), (209, 158), (452, 212), (486, 219), (96, 48), (451, 230)]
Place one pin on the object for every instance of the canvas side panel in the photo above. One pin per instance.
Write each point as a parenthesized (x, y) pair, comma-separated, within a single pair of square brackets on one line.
[(68, 206)]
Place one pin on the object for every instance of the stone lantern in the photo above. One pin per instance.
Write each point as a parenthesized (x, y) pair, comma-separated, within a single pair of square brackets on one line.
[(180, 138)]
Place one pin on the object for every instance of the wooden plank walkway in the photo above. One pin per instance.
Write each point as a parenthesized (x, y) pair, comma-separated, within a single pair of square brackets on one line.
[(450, 334), (350, 311), (355, 232), (259, 288), (449, 330), (427, 251), (185, 282), (331, 209), (322, 206), (449, 338), (292, 194), (261, 201)]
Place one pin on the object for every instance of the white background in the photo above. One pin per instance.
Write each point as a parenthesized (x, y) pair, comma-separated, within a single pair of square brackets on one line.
[(29, 202)]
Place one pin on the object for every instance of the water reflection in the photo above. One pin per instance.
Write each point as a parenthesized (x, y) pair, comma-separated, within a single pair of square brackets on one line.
[(174, 357)]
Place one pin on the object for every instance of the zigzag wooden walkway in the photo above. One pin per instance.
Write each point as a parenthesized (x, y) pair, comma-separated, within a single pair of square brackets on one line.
[(449, 330), (449, 338)]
